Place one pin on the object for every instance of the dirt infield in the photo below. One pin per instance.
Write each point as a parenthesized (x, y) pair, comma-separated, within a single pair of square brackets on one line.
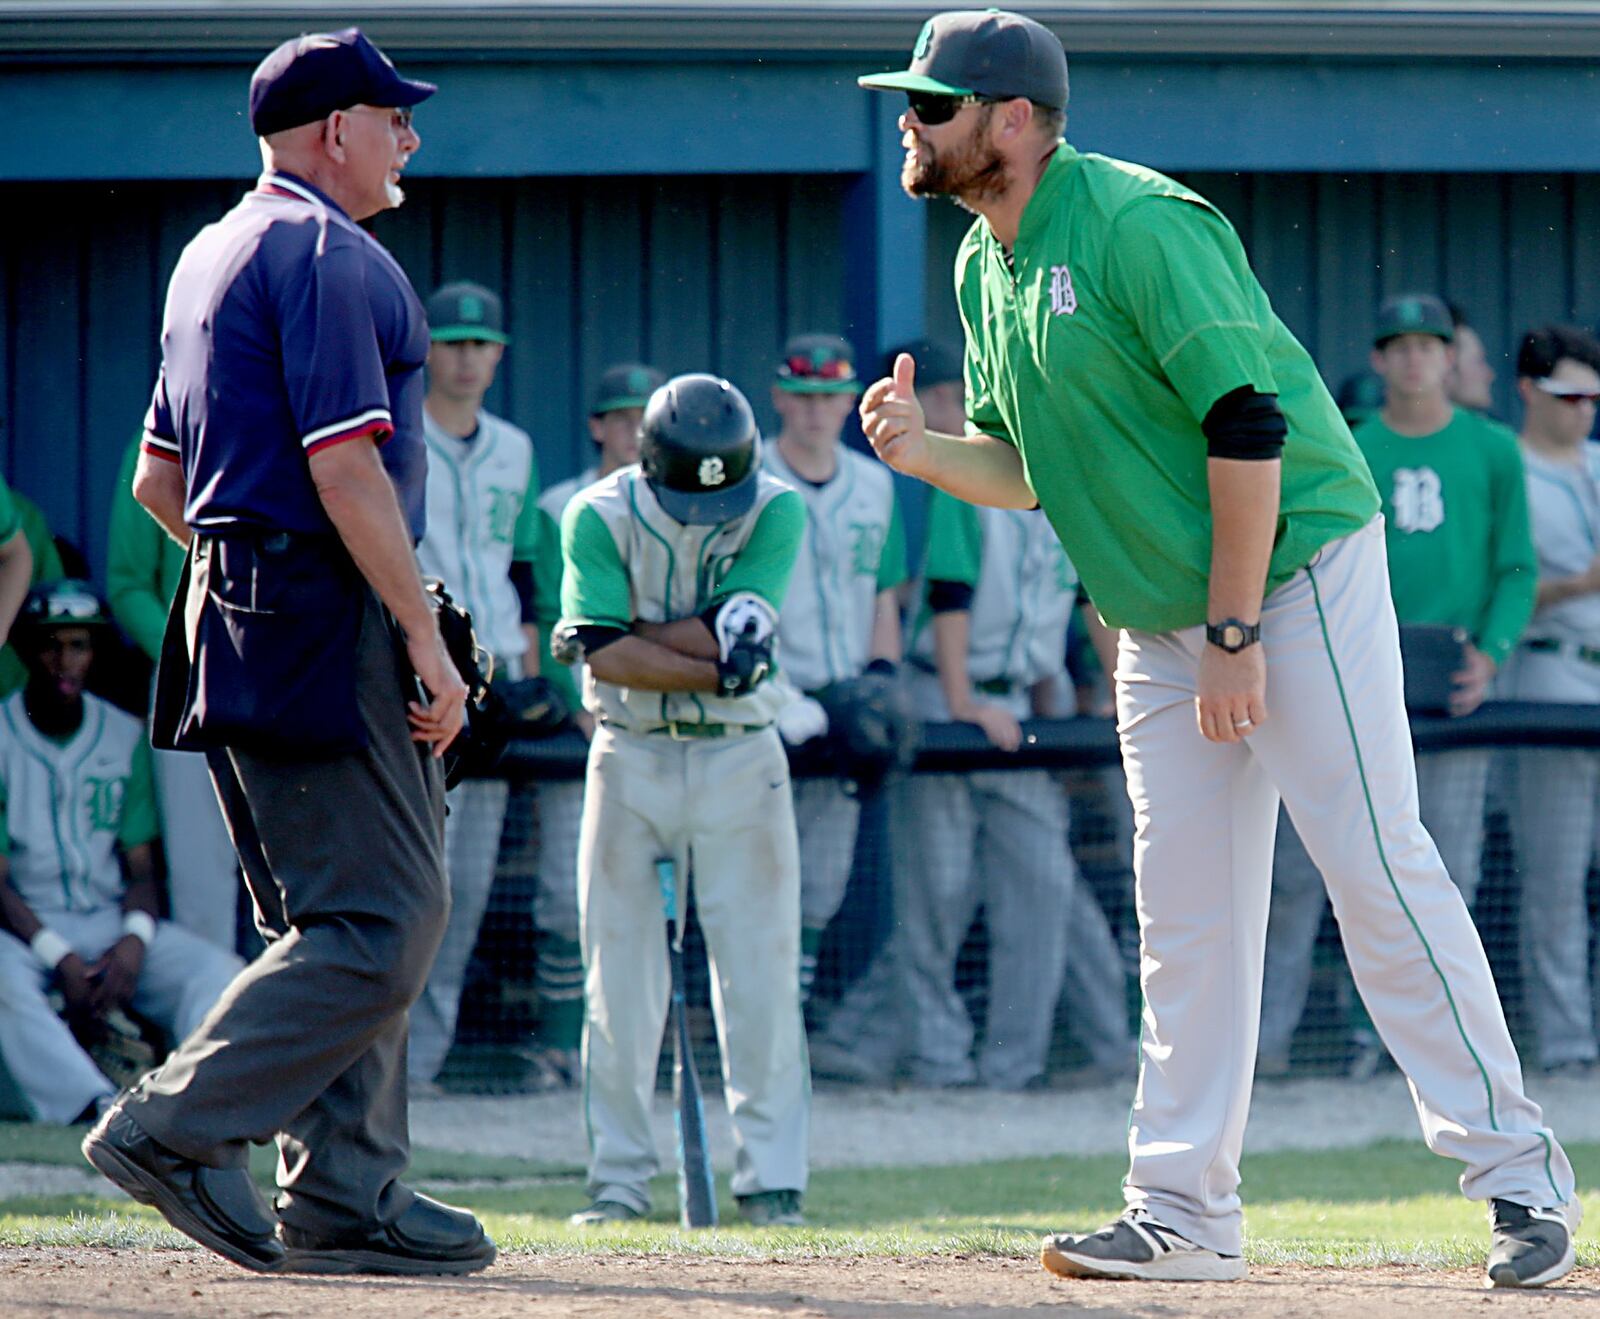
[(35, 1283)]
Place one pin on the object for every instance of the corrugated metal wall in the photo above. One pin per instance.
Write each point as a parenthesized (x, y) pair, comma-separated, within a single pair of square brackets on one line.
[(712, 272), (693, 274), (1511, 249)]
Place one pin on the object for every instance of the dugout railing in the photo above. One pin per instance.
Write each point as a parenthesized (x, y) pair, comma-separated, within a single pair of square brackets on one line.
[(1332, 1035)]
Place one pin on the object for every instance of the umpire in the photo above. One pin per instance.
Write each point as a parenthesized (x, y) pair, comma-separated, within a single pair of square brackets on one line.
[(284, 448)]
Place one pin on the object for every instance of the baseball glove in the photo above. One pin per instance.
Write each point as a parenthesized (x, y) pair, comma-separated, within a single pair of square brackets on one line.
[(871, 729), (533, 705), (482, 740)]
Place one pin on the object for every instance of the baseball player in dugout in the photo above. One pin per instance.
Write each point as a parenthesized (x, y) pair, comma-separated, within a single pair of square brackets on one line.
[(675, 572), (616, 410), (1455, 510), (284, 446), (1125, 371), (1557, 789), (841, 618), (77, 869), (483, 486)]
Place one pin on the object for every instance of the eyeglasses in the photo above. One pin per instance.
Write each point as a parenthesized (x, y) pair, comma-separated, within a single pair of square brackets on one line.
[(933, 108), (1570, 394), (399, 115)]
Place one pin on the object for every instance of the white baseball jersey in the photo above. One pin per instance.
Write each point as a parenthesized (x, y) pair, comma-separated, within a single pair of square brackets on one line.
[(1564, 513), (854, 547), (68, 805), (482, 505), (626, 560), (1023, 592)]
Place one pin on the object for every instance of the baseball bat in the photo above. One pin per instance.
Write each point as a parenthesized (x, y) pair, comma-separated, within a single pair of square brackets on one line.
[(697, 1197)]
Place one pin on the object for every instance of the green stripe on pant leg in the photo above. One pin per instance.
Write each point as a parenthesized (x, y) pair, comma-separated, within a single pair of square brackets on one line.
[(1383, 857)]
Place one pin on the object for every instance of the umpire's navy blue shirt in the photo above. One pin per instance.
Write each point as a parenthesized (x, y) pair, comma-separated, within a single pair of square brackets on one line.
[(288, 329)]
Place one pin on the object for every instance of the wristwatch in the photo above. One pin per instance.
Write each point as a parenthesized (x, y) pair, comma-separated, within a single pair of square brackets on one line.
[(1232, 635)]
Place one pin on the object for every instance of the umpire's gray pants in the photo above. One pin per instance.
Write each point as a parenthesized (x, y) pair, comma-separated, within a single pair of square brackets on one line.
[(998, 837), (343, 859)]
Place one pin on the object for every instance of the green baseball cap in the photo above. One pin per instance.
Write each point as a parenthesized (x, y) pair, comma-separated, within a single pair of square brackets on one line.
[(983, 52), (466, 311), (818, 364), (1414, 313), (625, 385)]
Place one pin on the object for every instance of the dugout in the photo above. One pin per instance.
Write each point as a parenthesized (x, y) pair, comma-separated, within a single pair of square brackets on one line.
[(691, 182)]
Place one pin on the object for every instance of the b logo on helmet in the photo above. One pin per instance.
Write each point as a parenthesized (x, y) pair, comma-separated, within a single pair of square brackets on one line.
[(924, 40), (712, 471)]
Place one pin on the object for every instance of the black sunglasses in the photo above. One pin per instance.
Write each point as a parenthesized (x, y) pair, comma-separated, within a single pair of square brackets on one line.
[(936, 108)]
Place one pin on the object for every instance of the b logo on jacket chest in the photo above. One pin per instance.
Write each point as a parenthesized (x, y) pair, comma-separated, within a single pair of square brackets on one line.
[(1063, 297)]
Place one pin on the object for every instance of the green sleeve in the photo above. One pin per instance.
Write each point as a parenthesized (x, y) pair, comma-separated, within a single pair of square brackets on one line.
[(1516, 564), (139, 823), (525, 536), (764, 565), (547, 603), (1178, 270), (983, 413), (892, 562), (47, 565), (133, 564), (10, 524), (955, 540), (594, 581)]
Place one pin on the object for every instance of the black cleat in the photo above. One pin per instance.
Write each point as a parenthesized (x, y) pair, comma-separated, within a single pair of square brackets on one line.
[(1529, 1247)]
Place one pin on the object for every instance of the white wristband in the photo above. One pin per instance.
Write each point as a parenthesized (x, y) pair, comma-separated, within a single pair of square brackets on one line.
[(140, 924), (49, 947)]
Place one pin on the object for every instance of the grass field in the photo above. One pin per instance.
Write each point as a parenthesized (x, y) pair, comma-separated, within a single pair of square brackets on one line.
[(1392, 1203)]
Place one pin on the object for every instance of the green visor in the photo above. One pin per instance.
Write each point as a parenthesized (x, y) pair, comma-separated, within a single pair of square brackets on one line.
[(459, 333), (911, 82)]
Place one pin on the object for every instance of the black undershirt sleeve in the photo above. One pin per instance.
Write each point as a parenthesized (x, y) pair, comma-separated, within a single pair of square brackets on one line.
[(594, 636), (1245, 425), (949, 597), (522, 579)]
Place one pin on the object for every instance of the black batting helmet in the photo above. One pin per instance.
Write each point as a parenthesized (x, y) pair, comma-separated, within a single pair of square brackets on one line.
[(700, 449)]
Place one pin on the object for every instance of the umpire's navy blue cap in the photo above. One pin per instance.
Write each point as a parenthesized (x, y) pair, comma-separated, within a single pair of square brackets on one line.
[(311, 76)]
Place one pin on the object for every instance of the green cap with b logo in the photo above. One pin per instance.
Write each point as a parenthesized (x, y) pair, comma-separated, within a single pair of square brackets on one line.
[(983, 52), (1414, 313), (466, 311)]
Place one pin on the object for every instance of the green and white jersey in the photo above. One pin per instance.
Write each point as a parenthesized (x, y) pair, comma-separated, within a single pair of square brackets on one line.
[(1457, 512), (65, 807), (854, 547), (1023, 592), (1126, 310), (626, 561), (547, 579), (482, 510)]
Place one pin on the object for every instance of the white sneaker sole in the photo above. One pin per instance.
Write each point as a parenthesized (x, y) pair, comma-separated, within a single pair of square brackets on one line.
[(1184, 1266)]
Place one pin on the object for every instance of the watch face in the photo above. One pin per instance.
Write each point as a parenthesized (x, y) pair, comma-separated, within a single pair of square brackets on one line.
[(1232, 636)]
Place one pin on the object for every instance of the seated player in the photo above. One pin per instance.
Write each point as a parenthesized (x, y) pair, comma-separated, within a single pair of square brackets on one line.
[(77, 868)]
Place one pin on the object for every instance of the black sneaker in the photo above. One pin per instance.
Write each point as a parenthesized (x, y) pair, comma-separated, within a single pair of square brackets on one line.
[(1529, 1247), (772, 1209), (1136, 1246)]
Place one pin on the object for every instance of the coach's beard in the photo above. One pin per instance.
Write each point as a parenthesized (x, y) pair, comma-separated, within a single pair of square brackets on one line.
[(972, 173)]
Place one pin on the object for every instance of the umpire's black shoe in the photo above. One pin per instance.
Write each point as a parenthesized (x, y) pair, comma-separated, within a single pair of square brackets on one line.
[(428, 1238), (1529, 1246), (219, 1207)]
